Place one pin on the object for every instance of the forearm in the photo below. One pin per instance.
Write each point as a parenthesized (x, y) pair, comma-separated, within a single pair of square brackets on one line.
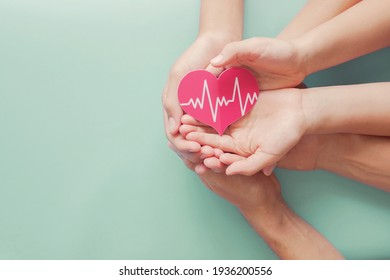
[(289, 236), (359, 157), (358, 109), (314, 13), (361, 29), (222, 18)]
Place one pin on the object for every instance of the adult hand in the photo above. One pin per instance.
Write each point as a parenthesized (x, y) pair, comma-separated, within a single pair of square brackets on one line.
[(273, 127), (260, 201), (307, 155), (196, 57), (250, 195)]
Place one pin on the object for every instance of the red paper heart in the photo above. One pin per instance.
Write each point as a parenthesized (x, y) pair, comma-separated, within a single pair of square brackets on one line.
[(218, 102)]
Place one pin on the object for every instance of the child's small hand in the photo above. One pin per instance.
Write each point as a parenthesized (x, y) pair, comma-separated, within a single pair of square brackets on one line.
[(275, 63)]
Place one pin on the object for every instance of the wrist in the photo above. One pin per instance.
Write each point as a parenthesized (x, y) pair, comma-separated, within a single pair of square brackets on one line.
[(271, 222), (267, 210), (327, 151), (302, 45), (311, 111), (219, 38), (336, 148), (268, 217)]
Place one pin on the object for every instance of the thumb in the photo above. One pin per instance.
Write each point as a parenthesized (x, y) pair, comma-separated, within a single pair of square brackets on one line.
[(235, 53), (213, 70), (251, 165)]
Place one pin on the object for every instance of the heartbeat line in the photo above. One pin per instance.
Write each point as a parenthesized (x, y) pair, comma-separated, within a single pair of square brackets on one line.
[(221, 101)]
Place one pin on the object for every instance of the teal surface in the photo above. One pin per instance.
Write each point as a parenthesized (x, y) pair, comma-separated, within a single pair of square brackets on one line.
[(85, 172)]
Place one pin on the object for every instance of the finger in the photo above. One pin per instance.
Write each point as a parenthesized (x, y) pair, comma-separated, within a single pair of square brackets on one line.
[(185, 129), (187, 119), (268, 170), (200, 169), (180, 143), (214, 164), (228, 158), (236, 52), (206, 152), (224, 142), (183, 145), (172, 109), (251, 165), (193, 157), (218, 152), (216, 71)]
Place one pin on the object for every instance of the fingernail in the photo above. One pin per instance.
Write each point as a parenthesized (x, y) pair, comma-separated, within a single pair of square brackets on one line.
[(216, 59), (171, 124)]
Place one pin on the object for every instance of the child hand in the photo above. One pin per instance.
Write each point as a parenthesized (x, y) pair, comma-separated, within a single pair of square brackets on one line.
[(275, 63)]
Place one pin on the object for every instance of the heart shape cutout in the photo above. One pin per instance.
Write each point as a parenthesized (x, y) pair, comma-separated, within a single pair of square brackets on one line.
[(218, 102)]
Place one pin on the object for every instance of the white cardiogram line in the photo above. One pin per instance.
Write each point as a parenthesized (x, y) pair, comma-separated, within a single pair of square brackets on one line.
[(221, 101)]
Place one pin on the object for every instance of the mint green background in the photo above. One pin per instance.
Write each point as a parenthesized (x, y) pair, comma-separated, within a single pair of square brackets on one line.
[(85, 172)]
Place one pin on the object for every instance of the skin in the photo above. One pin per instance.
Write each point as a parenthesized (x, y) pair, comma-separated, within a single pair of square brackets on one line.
[(259, 200), (360, 30), (313, 14), (221, 22), (287, 234), (363, 158), (288, 114), (279, 113), (281, 62), (284, 63)]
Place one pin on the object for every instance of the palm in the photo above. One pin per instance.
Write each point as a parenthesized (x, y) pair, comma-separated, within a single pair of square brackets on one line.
[(265, 135), (274, 136)]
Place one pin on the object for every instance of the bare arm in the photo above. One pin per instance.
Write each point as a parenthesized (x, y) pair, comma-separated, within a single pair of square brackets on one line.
[(289, 114), (360, 157), (314, 13), (222, 18), (291, 237), (259, 199), (359, 109), (361, 29), (287, 234), (363, 158)]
